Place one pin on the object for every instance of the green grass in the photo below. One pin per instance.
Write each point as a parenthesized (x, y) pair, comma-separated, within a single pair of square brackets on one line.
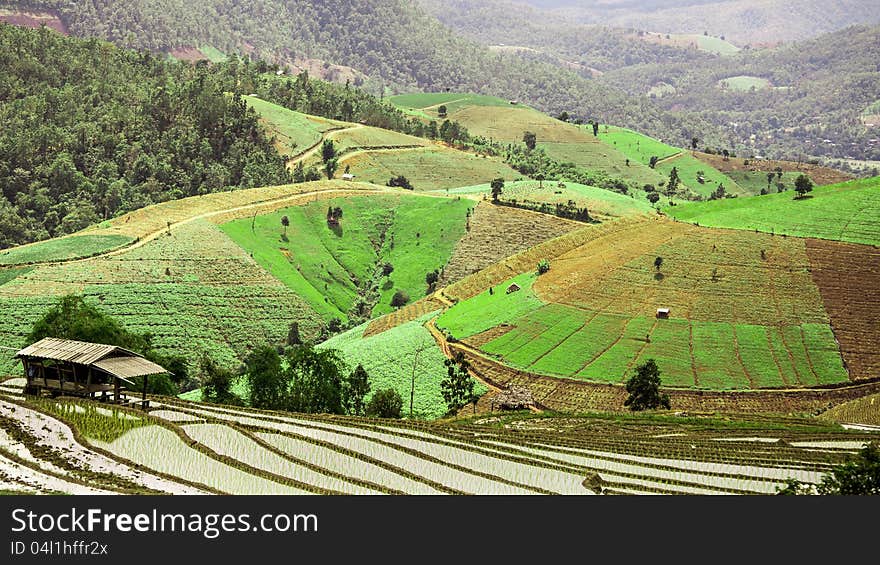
[(688, 168), (485, 310), (295, 132), (597, 200), (213, 54), (744, 83), (753, 182), (636, 146), (7, 275), (452, 100), (845, 212), (601, 157), (324, 266), (714, 45), (62, 249), (389, 358)]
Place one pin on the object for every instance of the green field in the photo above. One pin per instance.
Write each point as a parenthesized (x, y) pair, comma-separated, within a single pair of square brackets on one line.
[(844, 212), (597, 200), (213, 54), (330, 267), (636, 146), (689, 168), (417, 103), (601, 157), (714, 44), (744, 83), (294, 132), (754, 181), (62, 249), (745, 312), (430, 168), (389, 358)]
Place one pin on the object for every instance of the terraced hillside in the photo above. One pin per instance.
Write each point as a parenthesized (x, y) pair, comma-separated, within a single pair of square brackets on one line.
[(181, 278), (745, 311), (63, 446)]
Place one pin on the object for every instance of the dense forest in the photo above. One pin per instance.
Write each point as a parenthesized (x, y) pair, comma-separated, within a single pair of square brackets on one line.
[(394, 41), (811, 105), (90, 130)]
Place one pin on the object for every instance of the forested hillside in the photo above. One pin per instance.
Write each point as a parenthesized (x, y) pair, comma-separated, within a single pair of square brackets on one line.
[(393, 41), (743, 21), (804, 94), (90, 130)]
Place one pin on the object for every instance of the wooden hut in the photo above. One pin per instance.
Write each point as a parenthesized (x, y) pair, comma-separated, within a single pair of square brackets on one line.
[(93, 370)]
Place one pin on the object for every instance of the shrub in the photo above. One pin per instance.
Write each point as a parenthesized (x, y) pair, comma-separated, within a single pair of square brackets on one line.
[(543, 266), (400, 298), (385, 404)]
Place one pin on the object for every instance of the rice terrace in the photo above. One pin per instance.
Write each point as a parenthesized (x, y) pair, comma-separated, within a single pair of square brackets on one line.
[(289, 285)]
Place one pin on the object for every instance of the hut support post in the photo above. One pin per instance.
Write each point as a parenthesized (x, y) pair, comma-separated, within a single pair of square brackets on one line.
[(116, 390), (144, 394)]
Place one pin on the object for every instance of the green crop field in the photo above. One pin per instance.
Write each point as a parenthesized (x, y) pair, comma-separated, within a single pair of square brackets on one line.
[(845, 212), (63, 249), (594, 156), (744, 83), (425, 104), (739, 320), (194, 290), (598, 201), (330, 268), (294, 132), (390, 358), (213, 54), (714, 44), (430, 168)]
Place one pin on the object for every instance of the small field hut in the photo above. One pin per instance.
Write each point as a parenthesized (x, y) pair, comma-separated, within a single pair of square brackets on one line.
[(93, 370)]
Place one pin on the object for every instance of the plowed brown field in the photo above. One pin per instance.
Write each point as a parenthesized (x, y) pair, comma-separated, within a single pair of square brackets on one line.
[(848, 277)]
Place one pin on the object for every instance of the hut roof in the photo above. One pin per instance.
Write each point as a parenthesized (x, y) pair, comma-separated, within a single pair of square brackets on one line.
[(68, 350), (112, 359)]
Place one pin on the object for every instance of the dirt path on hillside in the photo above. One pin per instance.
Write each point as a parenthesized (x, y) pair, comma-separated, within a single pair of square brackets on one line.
[(329, 134)]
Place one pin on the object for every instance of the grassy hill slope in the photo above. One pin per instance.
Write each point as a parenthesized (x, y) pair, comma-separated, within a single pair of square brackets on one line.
[(844, 212)]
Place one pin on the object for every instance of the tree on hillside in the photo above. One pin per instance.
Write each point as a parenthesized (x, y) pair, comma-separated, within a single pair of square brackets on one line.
[(293, 336), (563, 117), (285, 222), (694, 142), (299, 173), (266, 382), (330, 168), (652, 162), (385, 403), (726, 154), (658, 262), (400, 181), (431, 280), (803, 185), (216, 382), (644, 388), (497, 186), (596, 128), (530, 139), (653, 197), (441, 111), (457, 386), (400, 299), (356, 389), (387, 269), (672, 184), (328, 150), (770, 180)]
